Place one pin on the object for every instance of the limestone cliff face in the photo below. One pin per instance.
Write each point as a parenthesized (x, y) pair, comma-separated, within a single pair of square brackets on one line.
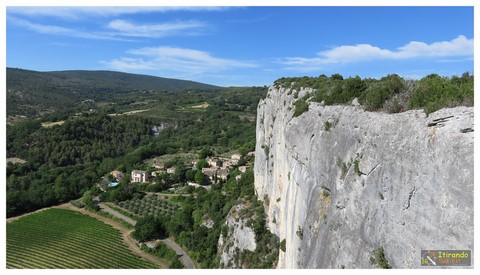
[(239, 237), (338, 181)]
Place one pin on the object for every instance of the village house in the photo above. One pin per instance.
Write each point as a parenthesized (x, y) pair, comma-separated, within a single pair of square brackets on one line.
[(210, 173), (117, 175), (226, 164), (213, 162), (158, 165), (139, 176), (252, 153), (222, 173), (171, 170), (243, 168), (209, 170), (235, 158)]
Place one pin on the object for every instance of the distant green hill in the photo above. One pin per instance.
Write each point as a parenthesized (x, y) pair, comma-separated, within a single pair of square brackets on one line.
[(32, 93)]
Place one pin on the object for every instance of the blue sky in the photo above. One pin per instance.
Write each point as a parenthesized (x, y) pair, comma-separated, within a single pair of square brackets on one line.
[(243, 45)]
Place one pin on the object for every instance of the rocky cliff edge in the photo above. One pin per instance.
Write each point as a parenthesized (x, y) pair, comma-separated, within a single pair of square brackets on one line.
[(339, 182)]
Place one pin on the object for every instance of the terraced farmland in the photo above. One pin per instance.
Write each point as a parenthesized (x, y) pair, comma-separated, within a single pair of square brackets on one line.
[(59, 238), (149, 205)]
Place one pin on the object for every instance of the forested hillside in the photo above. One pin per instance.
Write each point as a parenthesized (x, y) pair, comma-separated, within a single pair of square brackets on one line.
[(63, 161), (32, 93)]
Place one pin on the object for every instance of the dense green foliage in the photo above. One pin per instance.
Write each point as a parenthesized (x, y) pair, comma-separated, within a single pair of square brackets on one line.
[(391, 93), (186, 225), (148, 228), (163, 252), (301, 106), (434, 92), (87, 200), (34, 93), (64, 161), (79, 140), (57, 238), (283, 245), (176, 264)]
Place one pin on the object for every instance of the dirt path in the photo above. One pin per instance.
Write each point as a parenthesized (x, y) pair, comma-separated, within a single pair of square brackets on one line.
[(127, 239), (117, 214), (186, 260)]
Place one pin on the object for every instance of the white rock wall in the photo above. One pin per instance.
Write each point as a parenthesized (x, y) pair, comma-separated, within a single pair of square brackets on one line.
[(415, 190), (240, 237)]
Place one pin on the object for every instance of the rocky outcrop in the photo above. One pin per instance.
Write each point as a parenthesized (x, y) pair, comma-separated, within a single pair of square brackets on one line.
[(239, 236), (339, 182)]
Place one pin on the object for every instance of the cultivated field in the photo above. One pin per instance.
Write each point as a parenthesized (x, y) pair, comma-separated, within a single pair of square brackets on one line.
[(149, 205), (59, 238)]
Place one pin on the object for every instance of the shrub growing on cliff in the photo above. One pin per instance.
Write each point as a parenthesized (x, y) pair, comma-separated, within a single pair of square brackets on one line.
[(301, 106), (390, 93), (327, 125), (343, 168), (434, 92), (283, 245), (356, 168), (375, 97), (380, 259)]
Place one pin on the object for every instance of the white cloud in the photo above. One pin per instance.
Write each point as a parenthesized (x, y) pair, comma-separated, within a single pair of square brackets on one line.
[(126, 28), (126, 63), (118, 29), (76, 13), (460, 46), (57, 30), (168, 59), (458, 60)]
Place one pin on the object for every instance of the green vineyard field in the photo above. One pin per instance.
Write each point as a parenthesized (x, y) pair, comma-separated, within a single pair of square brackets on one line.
[(58, 238)]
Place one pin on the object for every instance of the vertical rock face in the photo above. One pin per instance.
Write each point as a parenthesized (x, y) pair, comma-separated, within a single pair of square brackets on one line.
[(339, 182), (239, 237)]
